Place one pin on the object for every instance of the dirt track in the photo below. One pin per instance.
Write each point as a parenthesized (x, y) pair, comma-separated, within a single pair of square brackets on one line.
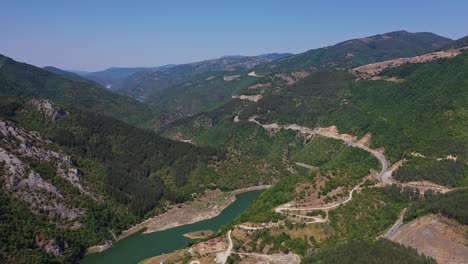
[(273, 259)]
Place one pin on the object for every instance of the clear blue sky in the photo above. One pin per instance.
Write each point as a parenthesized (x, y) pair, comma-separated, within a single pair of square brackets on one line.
[(92, 35)]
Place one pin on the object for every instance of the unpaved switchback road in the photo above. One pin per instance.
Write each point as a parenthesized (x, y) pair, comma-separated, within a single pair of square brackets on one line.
[(287, 207), (332, 132)]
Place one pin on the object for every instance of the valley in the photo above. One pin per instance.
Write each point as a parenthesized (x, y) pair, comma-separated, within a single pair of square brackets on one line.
[(357, 150), (141, 245)]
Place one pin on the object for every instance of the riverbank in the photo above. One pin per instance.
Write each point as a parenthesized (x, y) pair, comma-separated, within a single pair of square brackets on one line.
[(251, 188), (207, 206)]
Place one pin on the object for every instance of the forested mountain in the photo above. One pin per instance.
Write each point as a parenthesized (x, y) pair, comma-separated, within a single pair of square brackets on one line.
[(413, 110), (426, 101), (88, 173), (24, 80), (420, 100), (203, 92)]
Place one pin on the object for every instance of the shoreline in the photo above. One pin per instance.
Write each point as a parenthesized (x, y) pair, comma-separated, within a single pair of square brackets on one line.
[(157, 223), (250, 189)]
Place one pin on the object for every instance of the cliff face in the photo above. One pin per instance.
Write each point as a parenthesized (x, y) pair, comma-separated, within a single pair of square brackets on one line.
[(19, 149)]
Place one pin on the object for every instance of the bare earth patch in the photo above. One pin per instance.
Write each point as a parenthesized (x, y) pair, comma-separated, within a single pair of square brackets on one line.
[(259, 85), (436, 236), (253, 98), (426, 185), (293, 78), (230, 78), (253, 74), (272, 259), (370, 70)]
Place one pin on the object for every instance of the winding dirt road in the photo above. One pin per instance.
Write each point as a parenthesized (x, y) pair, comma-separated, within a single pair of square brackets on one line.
[(288, 258), (288, 207), (384, 176), (333, 133)]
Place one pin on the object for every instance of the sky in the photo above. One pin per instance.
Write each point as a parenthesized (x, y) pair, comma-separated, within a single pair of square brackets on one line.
[(94, 35)]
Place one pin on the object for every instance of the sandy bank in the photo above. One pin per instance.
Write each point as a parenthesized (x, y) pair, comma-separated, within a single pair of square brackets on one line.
[(210, 205)]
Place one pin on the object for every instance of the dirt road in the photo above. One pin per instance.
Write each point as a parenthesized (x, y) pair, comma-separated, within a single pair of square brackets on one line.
[(287, 207), (331, 132), (274, 258), (222, 257)]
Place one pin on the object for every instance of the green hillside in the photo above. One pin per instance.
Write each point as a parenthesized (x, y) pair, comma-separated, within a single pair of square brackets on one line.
[(135, 159), (425, 112), (23, 80)]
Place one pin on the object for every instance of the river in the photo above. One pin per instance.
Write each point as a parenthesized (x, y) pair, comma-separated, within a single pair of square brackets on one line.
[(140, 246)]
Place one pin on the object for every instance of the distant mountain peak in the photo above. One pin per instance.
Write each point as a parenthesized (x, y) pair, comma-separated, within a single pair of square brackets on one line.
[(401, 34)]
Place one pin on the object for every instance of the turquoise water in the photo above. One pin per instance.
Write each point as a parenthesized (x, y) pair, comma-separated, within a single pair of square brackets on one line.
[(141, 246)]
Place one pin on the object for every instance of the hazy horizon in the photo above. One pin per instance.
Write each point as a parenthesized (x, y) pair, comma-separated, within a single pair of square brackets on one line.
[(88, 36)]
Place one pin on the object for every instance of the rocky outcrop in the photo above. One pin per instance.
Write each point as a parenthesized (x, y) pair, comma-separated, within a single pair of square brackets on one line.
[(203, 122), (28, 185), (49, 109), (54, 246), (18, 149)]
